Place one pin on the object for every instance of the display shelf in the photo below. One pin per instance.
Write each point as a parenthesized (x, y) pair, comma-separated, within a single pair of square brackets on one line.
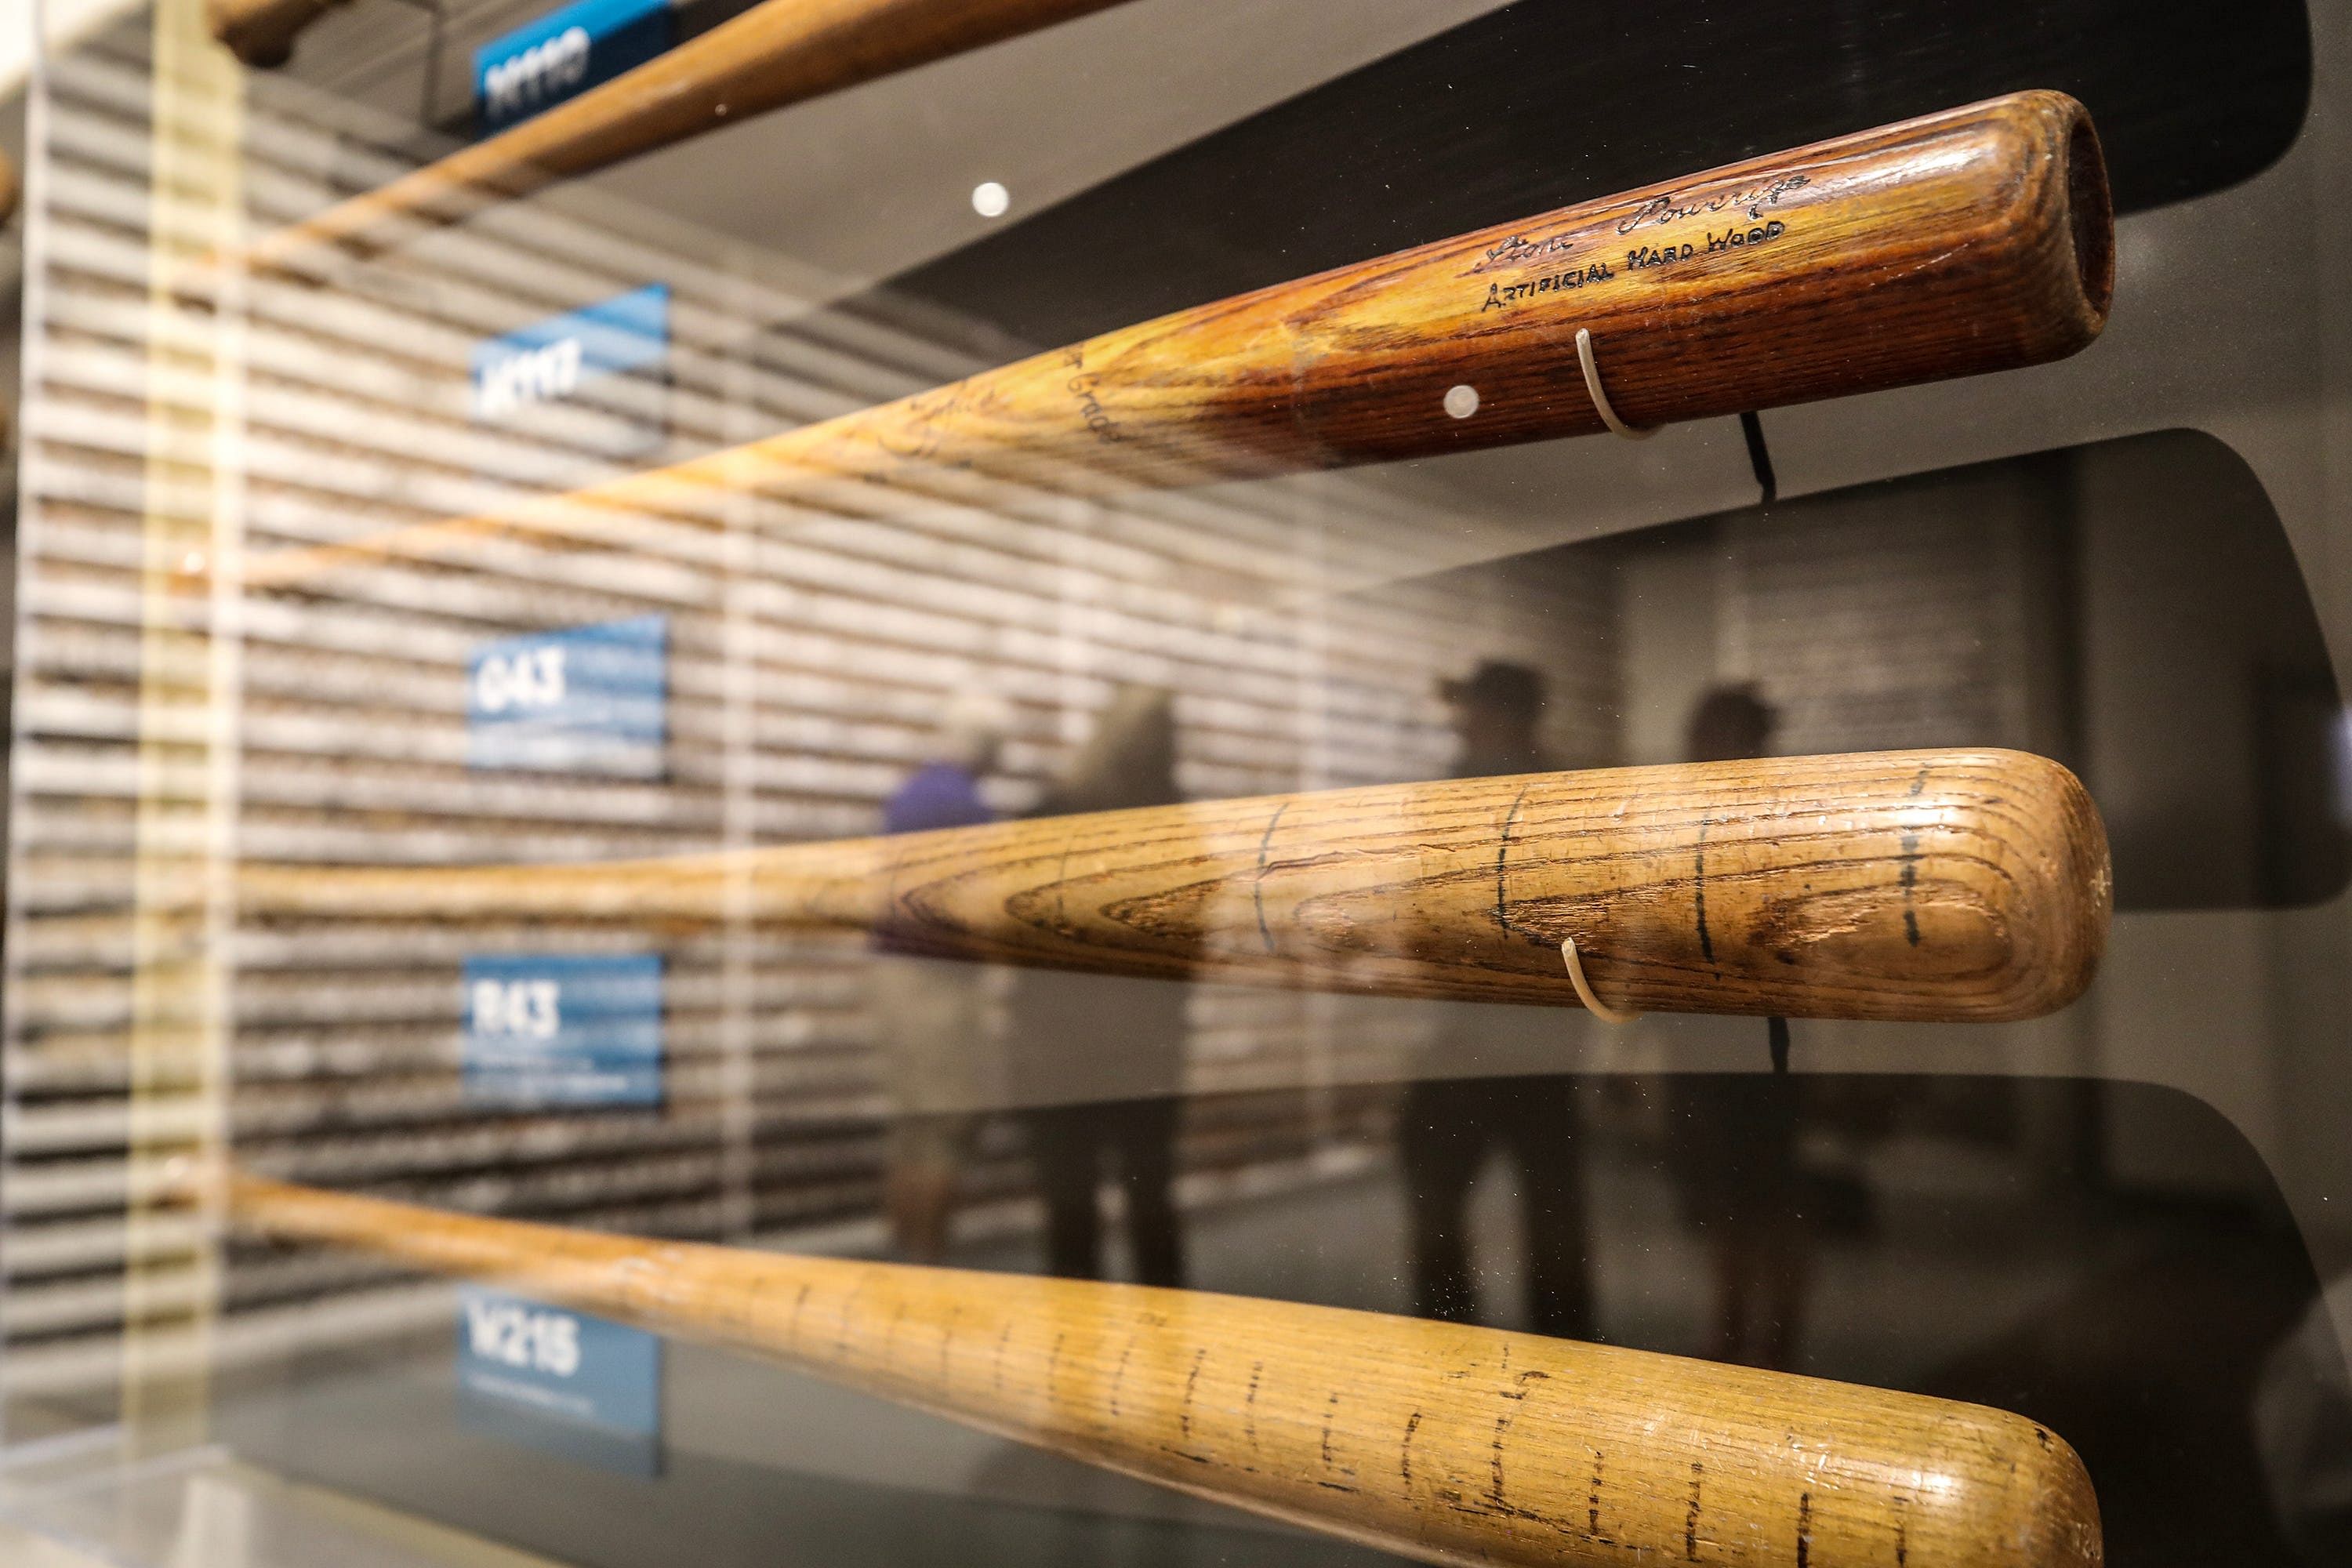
[(786, 731), (49, 1310), (41, 1248), (307, 467), (362, 1315), (377, 337), (886, 584)]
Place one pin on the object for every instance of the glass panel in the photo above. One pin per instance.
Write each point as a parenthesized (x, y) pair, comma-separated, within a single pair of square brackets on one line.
[(666, 903)]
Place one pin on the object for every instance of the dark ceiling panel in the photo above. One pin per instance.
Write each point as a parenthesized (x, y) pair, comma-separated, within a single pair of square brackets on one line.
[(1547, 102)]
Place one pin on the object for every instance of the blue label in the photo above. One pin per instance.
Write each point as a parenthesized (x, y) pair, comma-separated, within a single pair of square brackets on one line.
[(560, 1379), (565, 53), (549, 361), (563, 1030), (591, 699)]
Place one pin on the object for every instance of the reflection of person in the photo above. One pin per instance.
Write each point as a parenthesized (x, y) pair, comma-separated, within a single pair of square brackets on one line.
[(1731, 1141), (2303, 1430), (1448, 1127), (931, 1015), (1097, 1058)]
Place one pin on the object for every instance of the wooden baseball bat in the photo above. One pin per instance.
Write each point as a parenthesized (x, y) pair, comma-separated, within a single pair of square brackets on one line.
[(778, 53), (1973, 240), (1895, 885), (1445, 1443)]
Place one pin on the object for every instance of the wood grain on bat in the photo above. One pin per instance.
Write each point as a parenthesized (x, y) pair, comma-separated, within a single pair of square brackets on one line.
[(1897, 885), (1973, 240), (1442, 1442)]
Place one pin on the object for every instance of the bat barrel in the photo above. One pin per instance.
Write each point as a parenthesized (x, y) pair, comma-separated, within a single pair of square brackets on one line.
[(1445, 1443), (1976, 239), (1898, 885)]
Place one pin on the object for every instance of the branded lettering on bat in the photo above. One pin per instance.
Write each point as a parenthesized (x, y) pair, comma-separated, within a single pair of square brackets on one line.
[(1671, 207), (1729, 240), (931, 418), (1518, 250), (1658, 255), (1735, 239), (1084, 386), (1501, 294)]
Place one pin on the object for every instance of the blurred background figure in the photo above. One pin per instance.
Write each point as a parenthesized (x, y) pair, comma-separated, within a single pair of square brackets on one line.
[(1448, 1127), (1731, 1138), (1098, 1059), (933, 1017), (2302, 1421)]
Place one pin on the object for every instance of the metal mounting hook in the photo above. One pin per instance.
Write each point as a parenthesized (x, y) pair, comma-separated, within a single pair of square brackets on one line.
[(1592, 1003), (1600, 407)]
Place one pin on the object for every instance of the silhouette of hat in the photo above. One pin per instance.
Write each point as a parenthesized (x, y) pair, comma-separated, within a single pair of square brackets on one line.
[(1496, 683), (1731, 722)]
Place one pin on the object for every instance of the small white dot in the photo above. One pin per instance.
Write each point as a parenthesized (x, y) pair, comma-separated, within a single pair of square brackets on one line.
[(990, 199), (192, 561), (1461, 401)]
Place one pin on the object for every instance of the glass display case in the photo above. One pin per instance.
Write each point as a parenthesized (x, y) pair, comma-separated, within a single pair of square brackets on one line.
[(903, 781)]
